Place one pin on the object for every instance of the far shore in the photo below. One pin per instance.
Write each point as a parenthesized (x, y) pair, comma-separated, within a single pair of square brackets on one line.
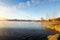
[(22, 20)]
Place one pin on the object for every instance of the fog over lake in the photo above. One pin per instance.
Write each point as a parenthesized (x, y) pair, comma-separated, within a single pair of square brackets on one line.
[(17, 30)]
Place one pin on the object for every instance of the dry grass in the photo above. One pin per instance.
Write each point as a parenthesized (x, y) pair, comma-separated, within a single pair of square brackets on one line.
[(54, 25), (53, 37)]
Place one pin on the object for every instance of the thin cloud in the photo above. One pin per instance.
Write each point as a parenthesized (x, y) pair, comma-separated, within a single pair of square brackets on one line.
[(28, 3), (3, 9), (14, 7), (21, 5), (35, 1), (9, 12), (53, 0), (24, 4)]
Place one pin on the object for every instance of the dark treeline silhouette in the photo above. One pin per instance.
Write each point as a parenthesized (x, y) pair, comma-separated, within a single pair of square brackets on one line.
[(21, 20)]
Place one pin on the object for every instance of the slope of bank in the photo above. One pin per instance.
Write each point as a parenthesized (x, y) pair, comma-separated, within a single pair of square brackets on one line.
[(54, 37), (53, 24)]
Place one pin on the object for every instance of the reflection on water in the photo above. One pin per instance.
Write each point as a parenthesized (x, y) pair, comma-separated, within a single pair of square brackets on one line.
[(32, 25), (23, 31), (2, 24)]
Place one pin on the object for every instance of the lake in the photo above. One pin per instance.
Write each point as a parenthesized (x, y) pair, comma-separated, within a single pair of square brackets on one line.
[(17, 30)]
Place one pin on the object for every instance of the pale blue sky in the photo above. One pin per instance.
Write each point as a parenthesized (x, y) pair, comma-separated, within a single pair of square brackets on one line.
[(29, 9)]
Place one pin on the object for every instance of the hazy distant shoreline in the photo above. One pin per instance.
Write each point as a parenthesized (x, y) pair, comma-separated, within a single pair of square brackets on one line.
[(22, 20)]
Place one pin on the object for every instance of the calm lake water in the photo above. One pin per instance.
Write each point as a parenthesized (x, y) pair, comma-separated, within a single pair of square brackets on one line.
[(16, 30)]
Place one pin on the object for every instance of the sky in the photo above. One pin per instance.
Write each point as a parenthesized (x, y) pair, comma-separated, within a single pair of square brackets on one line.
[(29, 9)]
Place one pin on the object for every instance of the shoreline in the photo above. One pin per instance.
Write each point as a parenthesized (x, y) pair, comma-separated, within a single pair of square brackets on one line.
[(52, 25)]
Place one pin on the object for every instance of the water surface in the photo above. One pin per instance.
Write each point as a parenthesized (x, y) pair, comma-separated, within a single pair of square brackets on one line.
[(17, 30)]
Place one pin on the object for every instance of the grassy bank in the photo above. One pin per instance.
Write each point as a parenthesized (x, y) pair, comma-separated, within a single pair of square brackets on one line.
[(53, 24)]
